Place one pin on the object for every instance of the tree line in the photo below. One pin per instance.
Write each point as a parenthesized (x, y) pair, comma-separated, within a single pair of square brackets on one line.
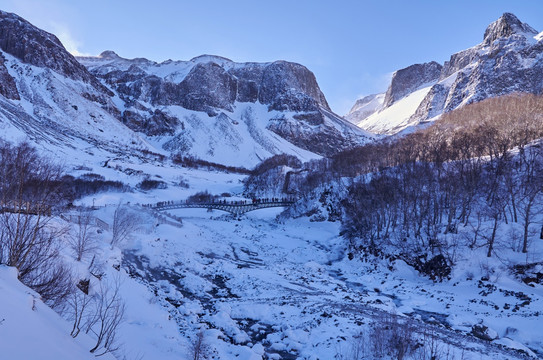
[(477, 168)]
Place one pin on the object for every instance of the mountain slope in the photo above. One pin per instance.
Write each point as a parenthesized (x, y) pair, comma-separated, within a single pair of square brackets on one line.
[(25, 318), (509, 60), (210, 107), (179, 99)]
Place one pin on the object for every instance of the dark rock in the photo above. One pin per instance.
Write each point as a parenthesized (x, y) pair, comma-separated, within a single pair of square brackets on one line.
[(407, 80), (507, 25), (249, 78), (290, 86), (39, 48), (156, 123), (8, 87), (483, 332), (208, 85)]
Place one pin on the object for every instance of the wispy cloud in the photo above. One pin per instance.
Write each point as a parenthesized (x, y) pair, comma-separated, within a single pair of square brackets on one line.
[(65, 36)]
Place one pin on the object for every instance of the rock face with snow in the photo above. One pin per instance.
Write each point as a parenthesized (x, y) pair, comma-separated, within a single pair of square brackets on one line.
[(39, 48), (209, 107), (364, 107), (7, 83), (411, 78), (509, 59), (155, 96)]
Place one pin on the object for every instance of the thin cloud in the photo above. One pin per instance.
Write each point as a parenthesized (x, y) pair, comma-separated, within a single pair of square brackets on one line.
[(66, 38)]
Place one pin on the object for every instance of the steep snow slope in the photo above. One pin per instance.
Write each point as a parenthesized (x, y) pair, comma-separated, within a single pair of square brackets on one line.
[(396, 117), (53, 111), (31, 330), (364, 107)]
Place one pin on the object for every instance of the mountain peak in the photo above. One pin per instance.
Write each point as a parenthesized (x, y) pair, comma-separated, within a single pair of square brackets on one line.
[(210, 58), (109, 54), (508, 24)]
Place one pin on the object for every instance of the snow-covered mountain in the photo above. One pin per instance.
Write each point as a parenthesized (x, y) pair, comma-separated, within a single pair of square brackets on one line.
[(213, 107), (208, 107), (364, 107), (509, 60)]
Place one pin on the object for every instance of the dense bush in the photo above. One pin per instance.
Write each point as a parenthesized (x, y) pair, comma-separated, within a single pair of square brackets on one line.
[(74, 188), (192, 162), (201, 197), (149, 184)]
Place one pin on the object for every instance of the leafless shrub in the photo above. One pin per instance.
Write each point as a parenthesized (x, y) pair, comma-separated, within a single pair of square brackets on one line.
[(199, 348), (79, 307), (392, 336), (83, 239), (30, 245), (124, 224), (28, 242), (107, 314)]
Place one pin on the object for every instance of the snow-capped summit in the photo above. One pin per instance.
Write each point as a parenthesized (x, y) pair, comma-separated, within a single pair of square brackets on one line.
[(274, 101), (507, 25), (208, 107), (510, 59)]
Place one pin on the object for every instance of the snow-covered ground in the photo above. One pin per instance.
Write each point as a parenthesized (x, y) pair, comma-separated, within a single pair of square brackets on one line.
[(31, 330), (260, 288), (396, 117), (256, 288)]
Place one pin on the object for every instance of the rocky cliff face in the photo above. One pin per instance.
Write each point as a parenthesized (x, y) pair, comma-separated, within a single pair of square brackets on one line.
[(296, 108), (364, 107), (7, 83), (508, 60), (407, 80), (39, 48)]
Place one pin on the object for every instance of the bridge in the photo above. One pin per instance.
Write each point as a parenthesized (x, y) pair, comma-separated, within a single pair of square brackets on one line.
[(25, 208), (235, 208)]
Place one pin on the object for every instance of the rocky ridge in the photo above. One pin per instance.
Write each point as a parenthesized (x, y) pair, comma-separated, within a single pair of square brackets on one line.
[(508, 60), (209, 107), (36, 47), (297, 109)]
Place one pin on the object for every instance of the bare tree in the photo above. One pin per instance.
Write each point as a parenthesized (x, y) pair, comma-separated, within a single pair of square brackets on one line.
[(28, 242), (124, 223), (393, 336), (80, 304), (83, 240), (199, 348), (108, 314)]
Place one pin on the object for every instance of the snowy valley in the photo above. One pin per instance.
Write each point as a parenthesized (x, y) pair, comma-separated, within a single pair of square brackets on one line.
[(425, 246)]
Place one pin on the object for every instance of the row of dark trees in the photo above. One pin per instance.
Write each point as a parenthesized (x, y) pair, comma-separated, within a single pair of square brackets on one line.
[(476, 166)]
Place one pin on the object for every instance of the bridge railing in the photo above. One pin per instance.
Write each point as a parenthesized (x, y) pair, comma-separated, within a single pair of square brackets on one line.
[(253, 202)]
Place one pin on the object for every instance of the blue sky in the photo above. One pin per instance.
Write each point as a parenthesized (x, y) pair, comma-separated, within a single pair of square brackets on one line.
[(351, 46)]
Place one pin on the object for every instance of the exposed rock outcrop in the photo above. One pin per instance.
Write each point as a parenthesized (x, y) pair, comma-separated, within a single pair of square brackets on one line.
[(508, 60), (7, 84), (37, 47), (407, 80)]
